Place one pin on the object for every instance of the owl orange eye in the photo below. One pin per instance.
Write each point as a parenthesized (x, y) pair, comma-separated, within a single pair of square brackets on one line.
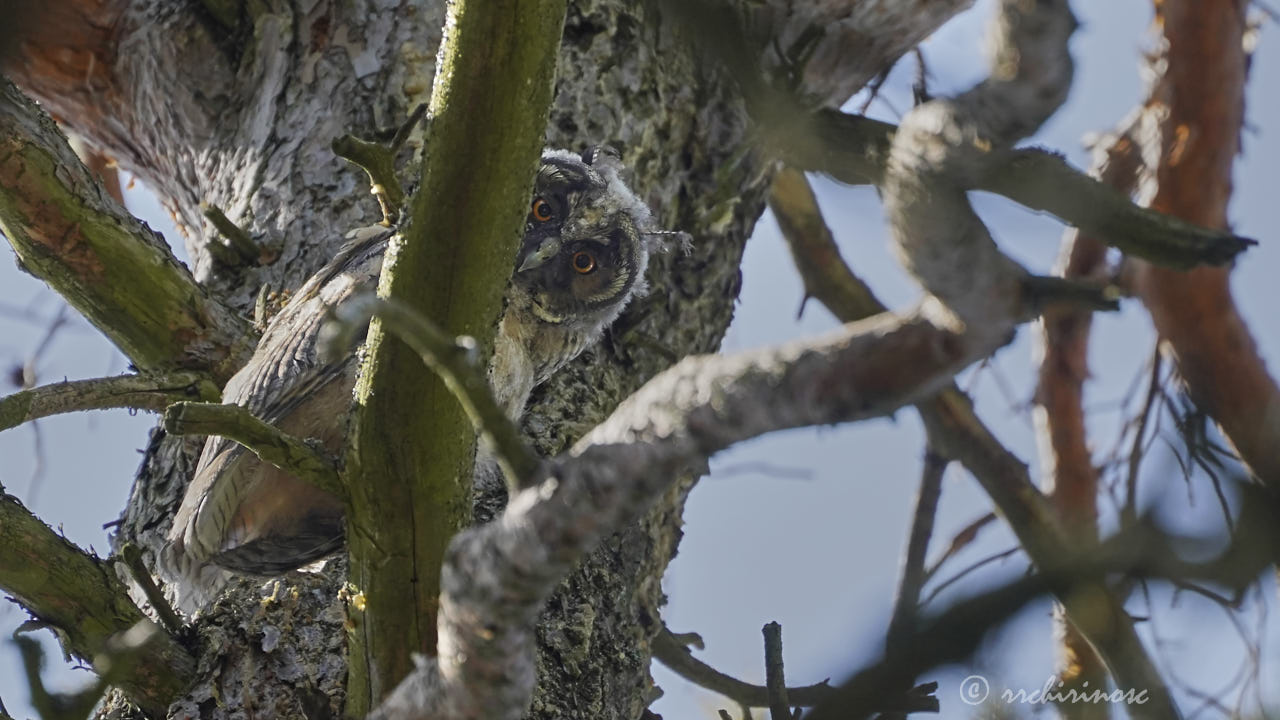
[(584, 262), (541, 210)]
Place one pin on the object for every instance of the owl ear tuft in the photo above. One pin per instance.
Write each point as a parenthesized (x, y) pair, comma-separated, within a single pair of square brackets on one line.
[(602, 155)]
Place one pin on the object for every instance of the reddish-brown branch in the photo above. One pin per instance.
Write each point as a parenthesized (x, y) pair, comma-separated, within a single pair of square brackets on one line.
[(1064, 444), (1068, 464), (1202, 96), (64, 53), (104, 169)]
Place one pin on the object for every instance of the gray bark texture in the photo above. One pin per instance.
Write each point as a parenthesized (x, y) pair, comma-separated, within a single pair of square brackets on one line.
[(241, 116)]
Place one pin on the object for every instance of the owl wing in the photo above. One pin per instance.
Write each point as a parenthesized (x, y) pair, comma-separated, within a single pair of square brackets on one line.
[(235, 499)]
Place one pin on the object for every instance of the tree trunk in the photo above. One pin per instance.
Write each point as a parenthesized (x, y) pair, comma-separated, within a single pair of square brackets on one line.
[(235, 104)]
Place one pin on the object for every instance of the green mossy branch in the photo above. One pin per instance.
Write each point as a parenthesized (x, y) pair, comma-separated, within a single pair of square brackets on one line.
[(107, 264), (80, 595), (413, 449), (379, 163), (854, 150), (291, 454), (243, 249), (137, 392), (453, 360)]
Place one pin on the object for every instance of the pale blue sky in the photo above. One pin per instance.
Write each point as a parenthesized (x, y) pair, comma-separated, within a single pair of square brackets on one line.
[(830, 579)]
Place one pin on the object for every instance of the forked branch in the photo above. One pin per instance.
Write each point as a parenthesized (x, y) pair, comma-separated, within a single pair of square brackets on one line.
[(107, 264)]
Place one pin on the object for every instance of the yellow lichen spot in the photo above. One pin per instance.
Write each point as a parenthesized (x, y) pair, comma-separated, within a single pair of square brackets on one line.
[(1181, 141), (274, 597)]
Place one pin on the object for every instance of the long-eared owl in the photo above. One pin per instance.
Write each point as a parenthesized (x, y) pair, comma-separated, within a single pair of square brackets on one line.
[(586, 246)]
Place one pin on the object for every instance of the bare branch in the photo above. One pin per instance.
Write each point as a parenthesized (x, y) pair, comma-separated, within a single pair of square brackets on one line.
[(131, 555), (296, 457), (857, 150), (775, 678), (954, 430), (950, 251), (54, 706), (1193, 123), (81, 596), (108, 265), (670, 650), (906, 605), (454, 360), (1065, 456), (242, 246), (495, 78), (151, 392), (1143, 551)]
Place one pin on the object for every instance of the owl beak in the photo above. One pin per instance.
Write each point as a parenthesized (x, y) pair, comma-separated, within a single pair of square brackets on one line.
[(544, 252)]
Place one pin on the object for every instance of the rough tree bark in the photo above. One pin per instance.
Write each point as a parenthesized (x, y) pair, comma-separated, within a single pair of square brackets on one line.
[(235, 103)]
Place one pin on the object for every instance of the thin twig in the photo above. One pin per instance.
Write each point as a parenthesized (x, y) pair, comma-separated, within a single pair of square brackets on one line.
[(403, 132), (151, 392), (379, 163), (237, 237), (671, 650), (960, 541), (452, 360), (873, 89), (775, 677), (54, 706), (294, 456), (976, 565), (920, 88), (131, 555), (906, 606), (913, 573), (1135, 452)]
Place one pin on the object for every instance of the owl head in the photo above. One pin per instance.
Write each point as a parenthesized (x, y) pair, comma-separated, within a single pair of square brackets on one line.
[(586, 243)]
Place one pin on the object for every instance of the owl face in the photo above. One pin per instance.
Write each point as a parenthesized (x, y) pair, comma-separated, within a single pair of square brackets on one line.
[(584, 253)]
